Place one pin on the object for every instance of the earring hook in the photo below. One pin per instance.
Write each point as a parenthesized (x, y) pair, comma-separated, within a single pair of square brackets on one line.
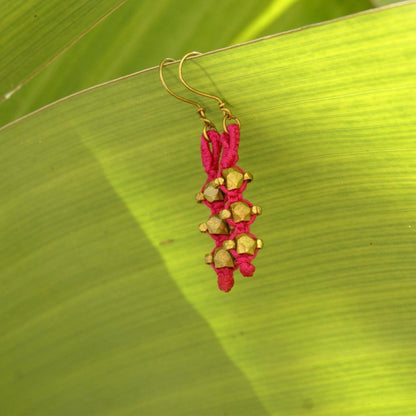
[(208, 124), (226, 112)]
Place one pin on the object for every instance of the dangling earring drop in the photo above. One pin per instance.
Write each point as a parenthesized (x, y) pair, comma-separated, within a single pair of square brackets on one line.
[(231, 214)]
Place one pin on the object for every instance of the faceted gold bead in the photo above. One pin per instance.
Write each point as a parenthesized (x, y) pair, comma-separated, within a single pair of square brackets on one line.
[(228, 244), (219, 181), (248, 176), (217, 226), (212, 193), (199, 197), (259, 243), (240, 211), (256, 210), (224, 214), (246, 244), (233, 178), (208, 258), (203, 227), (222, 258)]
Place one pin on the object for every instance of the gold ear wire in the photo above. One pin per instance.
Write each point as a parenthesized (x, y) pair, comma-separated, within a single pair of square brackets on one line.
[(226, 112), (208, 124)]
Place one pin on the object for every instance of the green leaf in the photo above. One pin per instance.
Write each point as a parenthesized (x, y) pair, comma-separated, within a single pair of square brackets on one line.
[(140, 34), (32, 33), (379, 3), (106, 305)]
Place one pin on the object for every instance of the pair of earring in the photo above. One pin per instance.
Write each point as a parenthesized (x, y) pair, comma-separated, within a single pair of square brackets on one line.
[(231, 214)]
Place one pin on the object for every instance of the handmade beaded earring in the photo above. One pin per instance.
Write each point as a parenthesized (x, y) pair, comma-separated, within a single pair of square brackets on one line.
[(231, 214)]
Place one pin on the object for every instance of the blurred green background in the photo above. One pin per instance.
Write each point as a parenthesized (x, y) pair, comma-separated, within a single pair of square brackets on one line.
[(106, 306)]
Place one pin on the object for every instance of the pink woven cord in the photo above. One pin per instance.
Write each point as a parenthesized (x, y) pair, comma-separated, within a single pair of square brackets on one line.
[(230, 141), (219, 154)]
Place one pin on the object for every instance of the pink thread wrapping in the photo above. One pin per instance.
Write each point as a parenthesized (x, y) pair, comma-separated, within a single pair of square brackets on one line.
[(219, 154)]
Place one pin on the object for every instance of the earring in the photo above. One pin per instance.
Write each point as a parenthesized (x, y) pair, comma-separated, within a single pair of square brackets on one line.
[(231, 214)]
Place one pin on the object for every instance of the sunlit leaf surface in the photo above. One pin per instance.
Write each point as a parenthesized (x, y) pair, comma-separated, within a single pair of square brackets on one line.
[(33, 32), (140, 33), (107, 306)]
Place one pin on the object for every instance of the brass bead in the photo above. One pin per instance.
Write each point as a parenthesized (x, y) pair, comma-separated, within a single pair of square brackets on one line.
[(216, 225), (260, 243), (212, 193), (248, 176), (233, 178), (241, 211), (224, 214), (223, 258), (208, 258), (219, 181), (246, 244), (199, 197), (256, 210), (203, 227), (228, 244)]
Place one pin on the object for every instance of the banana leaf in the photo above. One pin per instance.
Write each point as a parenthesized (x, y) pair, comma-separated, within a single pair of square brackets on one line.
[(140, 33)]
